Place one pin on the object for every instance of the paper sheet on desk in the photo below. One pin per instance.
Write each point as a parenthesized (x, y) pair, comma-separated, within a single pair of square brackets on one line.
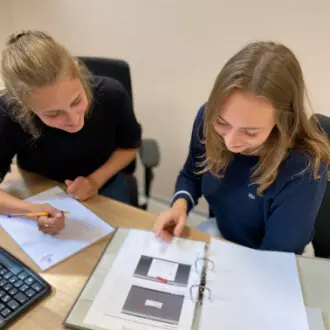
[(252, 290), (82, 228)]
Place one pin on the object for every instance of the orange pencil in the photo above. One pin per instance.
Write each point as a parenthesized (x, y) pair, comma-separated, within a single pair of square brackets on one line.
[(30, 215)]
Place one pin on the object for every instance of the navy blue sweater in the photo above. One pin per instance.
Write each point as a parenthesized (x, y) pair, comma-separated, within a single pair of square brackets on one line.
[(282, 219)]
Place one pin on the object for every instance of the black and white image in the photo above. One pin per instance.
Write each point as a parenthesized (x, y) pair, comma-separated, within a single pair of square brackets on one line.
[(156, 269), (154, 305)]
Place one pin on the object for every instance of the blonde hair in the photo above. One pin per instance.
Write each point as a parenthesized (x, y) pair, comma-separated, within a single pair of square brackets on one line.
[(33, 59), (270, 71)]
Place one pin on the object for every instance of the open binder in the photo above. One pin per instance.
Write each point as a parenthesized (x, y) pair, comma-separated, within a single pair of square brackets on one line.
[(137, 302)]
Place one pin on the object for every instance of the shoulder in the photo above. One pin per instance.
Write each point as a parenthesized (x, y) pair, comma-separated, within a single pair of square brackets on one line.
[(9, 126), (197, 135), (199, 120), (4, 102), (7, 109), (198, 127), (298, 167)]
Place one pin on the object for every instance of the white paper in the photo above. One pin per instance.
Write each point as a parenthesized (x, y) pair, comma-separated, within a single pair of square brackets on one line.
[(153, 303), (315, 319), (164, 269), (252, 290), (107, 312), (82, 228)]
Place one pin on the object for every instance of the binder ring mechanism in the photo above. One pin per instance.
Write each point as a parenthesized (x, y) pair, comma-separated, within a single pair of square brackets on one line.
[(201, 265), (207, 264), (201, 289)]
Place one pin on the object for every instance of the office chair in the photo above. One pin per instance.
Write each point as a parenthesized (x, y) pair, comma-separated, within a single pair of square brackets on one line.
[(149, 151), (321, 241)]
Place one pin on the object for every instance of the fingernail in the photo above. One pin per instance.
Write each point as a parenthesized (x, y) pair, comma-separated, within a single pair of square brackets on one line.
[(59, 214)]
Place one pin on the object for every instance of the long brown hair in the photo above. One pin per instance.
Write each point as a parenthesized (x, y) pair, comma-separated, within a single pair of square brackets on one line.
[(270, 71), (33, 59)]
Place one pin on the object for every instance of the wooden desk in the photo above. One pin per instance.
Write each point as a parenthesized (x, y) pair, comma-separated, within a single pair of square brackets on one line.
[(68, 277)]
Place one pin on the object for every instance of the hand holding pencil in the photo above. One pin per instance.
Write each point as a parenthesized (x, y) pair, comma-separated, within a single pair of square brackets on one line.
[(49, 219)]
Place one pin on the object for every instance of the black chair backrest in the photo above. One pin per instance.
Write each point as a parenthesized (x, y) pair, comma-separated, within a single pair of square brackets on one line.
[(116, 69), (112, 68), (321, 241)]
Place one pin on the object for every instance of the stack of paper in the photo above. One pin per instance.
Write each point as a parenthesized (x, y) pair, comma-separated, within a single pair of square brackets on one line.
[(82, 228)]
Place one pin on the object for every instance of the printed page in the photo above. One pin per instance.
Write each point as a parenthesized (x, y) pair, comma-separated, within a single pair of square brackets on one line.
[(149, 285), (252, 290), (82, 228)]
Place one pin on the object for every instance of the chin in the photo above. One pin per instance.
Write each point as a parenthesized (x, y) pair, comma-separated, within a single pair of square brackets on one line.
[(74, 129), (237, 150)]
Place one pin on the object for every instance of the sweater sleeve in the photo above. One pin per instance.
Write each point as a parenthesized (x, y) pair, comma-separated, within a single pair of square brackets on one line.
[(188, 185), (290, 225)]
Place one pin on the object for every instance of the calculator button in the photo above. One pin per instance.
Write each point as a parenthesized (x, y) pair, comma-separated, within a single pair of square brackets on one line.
[(7, 287), (6, 312), (29, 280), (2, 306), (8, 275), (3, 271), (30, 293), (13, 304), (18, 284), (22, 276), (2, 293), (13, 291), (36, 286), (12, 279), (21, 298), (6, 298), (23, 288)]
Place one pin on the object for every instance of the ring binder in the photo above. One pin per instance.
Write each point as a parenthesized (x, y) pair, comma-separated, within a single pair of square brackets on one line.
[(202, 286), (204, 266), (201, 290)]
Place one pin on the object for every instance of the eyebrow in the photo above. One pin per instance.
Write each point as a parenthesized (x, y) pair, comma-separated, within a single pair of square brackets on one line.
[(245, 128), (56, 110)]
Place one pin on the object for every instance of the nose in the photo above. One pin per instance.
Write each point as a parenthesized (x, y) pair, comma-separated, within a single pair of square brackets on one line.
[(232, 139), (73, 118)]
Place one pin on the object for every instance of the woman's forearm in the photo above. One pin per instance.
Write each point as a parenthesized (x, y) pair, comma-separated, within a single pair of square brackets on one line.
[(118, 161), (9, 204)]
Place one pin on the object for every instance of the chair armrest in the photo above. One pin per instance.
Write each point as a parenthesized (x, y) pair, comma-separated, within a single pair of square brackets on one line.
[(149, 153)]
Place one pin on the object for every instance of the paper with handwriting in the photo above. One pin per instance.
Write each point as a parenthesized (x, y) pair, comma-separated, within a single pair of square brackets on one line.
[(82, 228)]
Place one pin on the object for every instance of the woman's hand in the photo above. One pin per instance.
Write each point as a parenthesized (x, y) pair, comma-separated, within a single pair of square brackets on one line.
[(52, 223), (81, 188), (172, 222)]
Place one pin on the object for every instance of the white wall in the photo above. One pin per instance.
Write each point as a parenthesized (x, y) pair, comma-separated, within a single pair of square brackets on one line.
[(177, 47), (6, 25)]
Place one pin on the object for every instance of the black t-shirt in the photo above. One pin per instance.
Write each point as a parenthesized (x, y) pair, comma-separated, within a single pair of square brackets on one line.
[(59, 155)]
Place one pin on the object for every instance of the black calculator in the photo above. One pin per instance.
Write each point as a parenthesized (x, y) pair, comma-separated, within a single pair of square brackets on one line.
[(20, 288)]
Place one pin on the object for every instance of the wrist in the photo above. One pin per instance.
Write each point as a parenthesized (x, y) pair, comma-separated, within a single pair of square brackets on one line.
[(96, 180), (180, 205), (33, 208)]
